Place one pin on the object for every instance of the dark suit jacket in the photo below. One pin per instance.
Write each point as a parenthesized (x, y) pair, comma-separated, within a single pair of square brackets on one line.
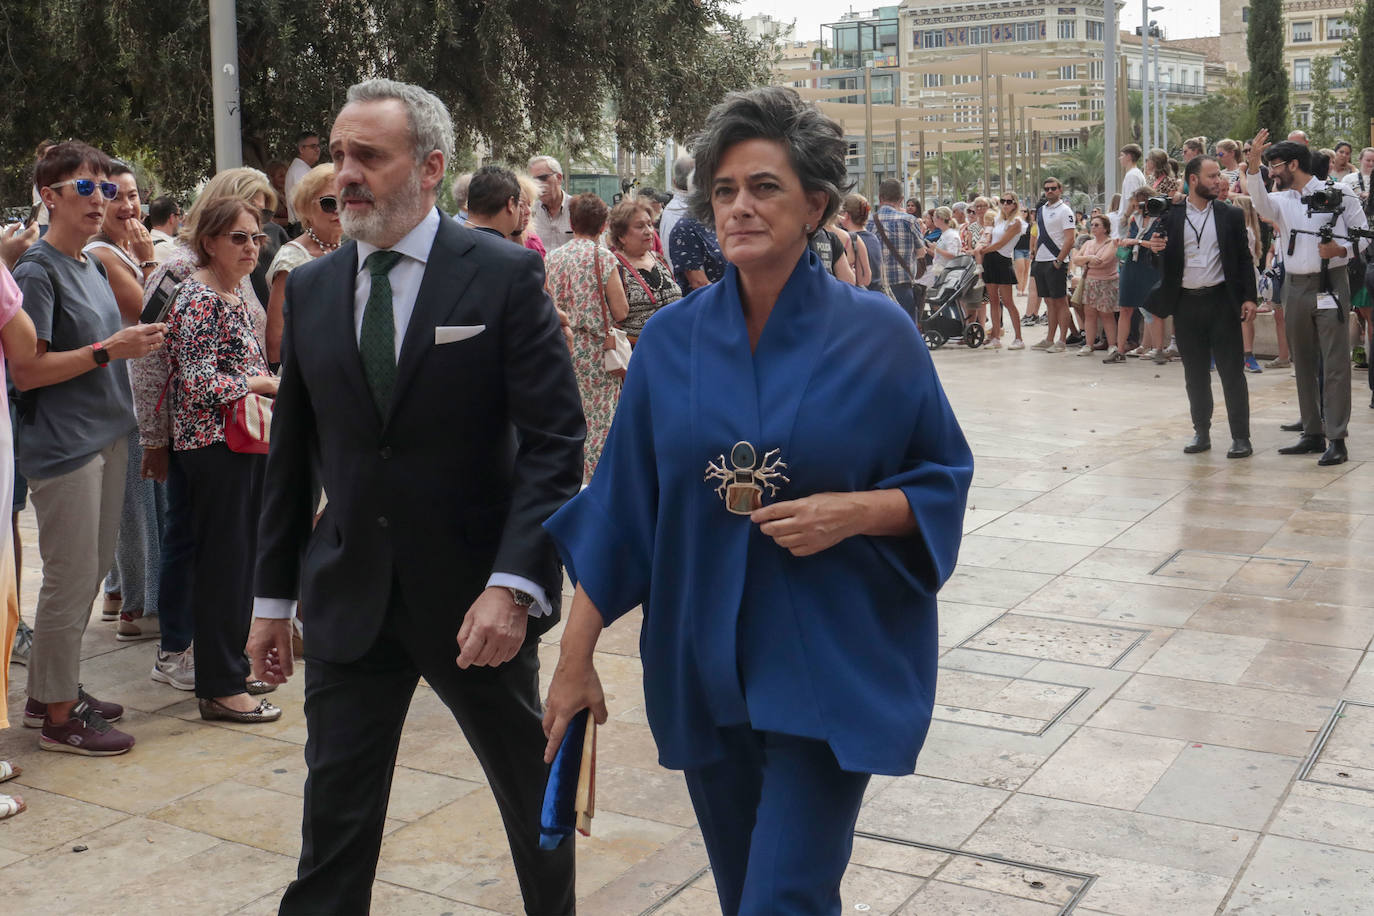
[(481, 444), (1237, 265)]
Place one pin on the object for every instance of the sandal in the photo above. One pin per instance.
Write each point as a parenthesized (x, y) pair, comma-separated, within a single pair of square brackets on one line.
[(10, 805), (9, 771)]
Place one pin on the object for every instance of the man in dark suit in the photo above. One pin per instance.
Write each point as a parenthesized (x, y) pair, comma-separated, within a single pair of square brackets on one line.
[(426, 375), (1207, 282)]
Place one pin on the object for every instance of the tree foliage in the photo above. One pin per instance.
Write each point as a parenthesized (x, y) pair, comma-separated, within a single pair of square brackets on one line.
[(1323, 104), (1224, 112), (1351, 57), (518, 75), (1268, 75), (1083, 169)]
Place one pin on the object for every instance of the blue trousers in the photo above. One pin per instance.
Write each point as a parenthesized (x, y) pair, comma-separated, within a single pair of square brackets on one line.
[(178, 559), (778, 816)]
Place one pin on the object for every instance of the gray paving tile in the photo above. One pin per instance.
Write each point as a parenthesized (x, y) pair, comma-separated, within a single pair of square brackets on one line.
[(1221, 785), (1294, 876)]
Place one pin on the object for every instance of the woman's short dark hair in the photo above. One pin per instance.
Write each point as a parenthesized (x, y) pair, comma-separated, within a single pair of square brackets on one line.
[(217, 218), (587, 213), (815, 144), (63, 160), (623, 214)]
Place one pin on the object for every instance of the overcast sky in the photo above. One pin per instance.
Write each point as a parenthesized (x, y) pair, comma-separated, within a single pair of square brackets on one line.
[(1181, 19)]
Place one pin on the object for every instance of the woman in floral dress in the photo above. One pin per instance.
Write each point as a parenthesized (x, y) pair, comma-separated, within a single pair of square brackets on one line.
[(581, 277)]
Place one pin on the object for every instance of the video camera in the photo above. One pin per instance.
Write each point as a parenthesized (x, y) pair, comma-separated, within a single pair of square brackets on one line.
[(1330, 199), (1155, 206)]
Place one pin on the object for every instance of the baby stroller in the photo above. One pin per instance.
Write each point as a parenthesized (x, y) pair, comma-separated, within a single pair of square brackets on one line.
[(956, 295)]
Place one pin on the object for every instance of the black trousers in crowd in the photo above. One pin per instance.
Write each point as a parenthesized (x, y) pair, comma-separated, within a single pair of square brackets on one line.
[(354, 713), (1207, 328), (226, 499)]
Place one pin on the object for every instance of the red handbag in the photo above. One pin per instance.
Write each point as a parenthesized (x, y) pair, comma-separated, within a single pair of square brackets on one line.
[(248, 425)]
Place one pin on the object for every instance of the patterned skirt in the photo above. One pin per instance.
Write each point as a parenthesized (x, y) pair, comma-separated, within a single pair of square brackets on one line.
[(1100, 295)]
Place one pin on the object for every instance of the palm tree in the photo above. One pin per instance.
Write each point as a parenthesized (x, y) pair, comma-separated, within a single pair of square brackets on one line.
[(1083, 169), (960, 173)]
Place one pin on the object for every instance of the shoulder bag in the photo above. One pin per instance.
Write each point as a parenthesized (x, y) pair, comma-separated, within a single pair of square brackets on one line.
[(248, 421), (615, 349), (887, 243)]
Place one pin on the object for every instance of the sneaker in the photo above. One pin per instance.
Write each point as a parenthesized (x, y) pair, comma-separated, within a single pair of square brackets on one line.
[(36, 713), (110, 608), (1074, 339), (994, 344), (1043, 345), (176, 669), (1030, 321), (85, 732), (1138, 352), (1252, 364), (1171, 351), (23, 644), (1149, 354), (132, 629), (1016, 345), (1085, 350), (1115, 357), (1278, 364), (1161, 357), (1056, 348)]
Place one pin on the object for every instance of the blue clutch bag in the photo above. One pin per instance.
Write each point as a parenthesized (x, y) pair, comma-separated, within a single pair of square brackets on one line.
[(570, 796)]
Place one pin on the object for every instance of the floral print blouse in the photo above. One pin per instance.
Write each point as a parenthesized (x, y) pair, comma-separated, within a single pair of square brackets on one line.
[(213, 350)]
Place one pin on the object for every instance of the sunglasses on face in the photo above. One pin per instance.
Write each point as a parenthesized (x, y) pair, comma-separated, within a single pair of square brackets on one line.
[(1051, 187), (239, 237), (85, 187), (1008, 203), (329, 204)]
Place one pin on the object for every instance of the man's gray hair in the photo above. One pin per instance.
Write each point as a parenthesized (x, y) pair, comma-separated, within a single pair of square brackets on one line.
[(551, 162), (682, 172), (815, 144), (431, 127)]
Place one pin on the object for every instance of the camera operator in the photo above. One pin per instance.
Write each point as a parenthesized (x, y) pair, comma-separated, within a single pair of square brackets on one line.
[(1207, 282), (1316, 294)]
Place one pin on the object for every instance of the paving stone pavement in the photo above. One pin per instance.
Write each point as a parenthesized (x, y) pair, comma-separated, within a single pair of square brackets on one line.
[(1156, 697)]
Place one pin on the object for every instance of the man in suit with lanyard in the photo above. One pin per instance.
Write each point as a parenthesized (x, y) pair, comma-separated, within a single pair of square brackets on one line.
[(1050, 250), (1207, 283), (1316, 291), (426, 375)]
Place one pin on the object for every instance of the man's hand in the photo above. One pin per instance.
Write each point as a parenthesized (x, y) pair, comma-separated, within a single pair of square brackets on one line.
[(1257, 148), (1155, 243), (812, 524), (155, 463), (1248, 310), (1332, 250), (269, 650), (493, 629)]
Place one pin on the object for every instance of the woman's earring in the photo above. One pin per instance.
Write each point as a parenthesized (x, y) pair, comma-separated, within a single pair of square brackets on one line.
[(808, 228)]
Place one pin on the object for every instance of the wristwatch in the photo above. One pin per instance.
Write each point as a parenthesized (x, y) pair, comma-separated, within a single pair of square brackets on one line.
[(102, 356), (522, 599)]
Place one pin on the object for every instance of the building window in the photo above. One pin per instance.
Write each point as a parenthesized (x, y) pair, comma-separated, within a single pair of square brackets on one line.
[(1337, 74), (1095, 70), (932, 80), (1067, 73), (1064, 144), (1068, 28), (935, 38), (1245, 14), (1093, 30), (1302, 31), (1302, 74), (1337, 28)]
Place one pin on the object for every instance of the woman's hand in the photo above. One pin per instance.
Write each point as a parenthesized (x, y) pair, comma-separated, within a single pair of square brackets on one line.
[(811, 524), (575, 687), (263, 384), (155, 463), (135, 341), (140, 242)]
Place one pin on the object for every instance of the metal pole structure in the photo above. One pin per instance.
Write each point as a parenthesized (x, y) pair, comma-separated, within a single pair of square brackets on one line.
[(939, 174), (868, 129), (1146, 138), (921, 164), (987, 153), (1164, 103), (1109, 94), (224, 83), (1159, 98), (1001, 141), (1123, 99), (899, 167)]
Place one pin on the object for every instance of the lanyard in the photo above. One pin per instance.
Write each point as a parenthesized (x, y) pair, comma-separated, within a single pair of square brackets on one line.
[(1197, 231)]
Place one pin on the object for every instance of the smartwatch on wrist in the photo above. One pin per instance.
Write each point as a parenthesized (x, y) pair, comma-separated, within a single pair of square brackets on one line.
[(102, 356)]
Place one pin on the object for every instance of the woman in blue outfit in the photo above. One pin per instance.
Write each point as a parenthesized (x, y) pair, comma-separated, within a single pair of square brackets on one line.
[(783, 490)]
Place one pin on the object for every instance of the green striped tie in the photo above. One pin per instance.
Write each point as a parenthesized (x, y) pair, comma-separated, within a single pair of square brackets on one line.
[(377, 342)]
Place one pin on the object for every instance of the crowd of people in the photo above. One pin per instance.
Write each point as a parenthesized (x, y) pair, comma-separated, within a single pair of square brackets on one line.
[(236, 423)]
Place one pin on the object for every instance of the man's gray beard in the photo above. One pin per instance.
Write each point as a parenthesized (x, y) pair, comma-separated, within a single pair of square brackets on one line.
[(388, 220)]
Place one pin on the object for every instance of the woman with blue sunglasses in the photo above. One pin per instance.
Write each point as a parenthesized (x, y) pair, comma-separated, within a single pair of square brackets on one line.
[(74, 449)]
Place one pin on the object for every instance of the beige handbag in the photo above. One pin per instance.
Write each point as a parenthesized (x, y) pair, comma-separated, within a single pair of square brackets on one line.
[(615, 357)]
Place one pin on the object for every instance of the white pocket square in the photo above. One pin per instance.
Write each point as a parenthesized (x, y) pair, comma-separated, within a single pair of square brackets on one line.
[(457, 332)]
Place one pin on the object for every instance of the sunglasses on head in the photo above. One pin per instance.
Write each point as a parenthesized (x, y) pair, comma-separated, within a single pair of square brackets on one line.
[(329, 204), (85, 187), (239, 237)]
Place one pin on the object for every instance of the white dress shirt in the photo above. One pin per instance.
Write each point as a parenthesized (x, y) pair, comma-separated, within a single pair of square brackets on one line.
[(294, 173), (1132, 181), (405, 279), (1286, 210), (1201, 253), (553, 231)]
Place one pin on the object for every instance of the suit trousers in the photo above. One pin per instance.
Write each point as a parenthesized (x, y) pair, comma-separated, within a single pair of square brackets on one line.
[(226, 500), (1319, 341), (1207, 329), (354, 714), (778, 815)]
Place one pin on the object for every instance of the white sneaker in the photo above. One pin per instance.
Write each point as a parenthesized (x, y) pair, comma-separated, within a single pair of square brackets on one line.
[(1043, 345), (1171, 351), (1085, 350), (994, 344), (177, 669), (1056, 348), (1016, 345), (1148, 354), (1138, 352)]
